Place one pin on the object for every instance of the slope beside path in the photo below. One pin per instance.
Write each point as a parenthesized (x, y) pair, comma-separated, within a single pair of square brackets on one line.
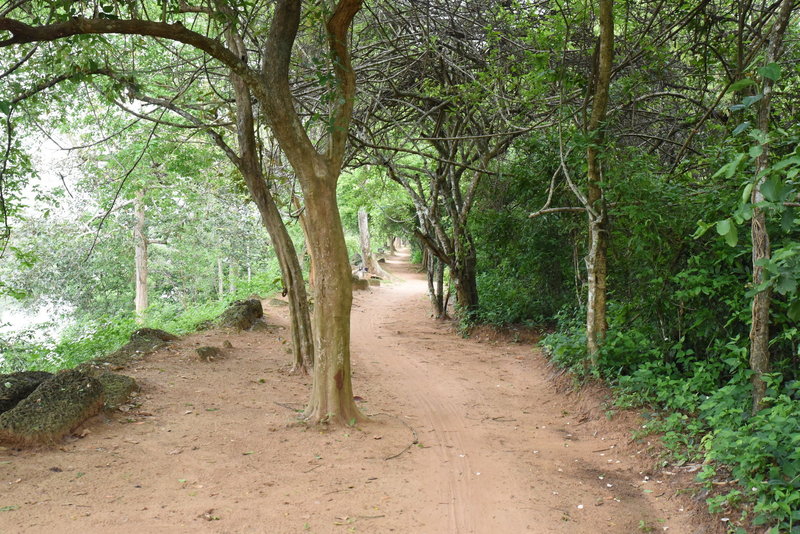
[(465, 437)]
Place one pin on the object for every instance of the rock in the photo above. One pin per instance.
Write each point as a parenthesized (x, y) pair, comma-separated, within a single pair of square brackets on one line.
[(360, 285), (278, 302), (227, 344), (241, 314), (209, 354), (16, 386), (117, 389), (374, 282), (55, 408), (204, 325), (152, 333), (143, 342), (259, 326)]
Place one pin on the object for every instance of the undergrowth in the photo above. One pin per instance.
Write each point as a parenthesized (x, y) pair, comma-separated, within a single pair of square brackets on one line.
[(88, 338), (700, 405)]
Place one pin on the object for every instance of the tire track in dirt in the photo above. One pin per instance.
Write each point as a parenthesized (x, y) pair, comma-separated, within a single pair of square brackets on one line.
[(500, 450)]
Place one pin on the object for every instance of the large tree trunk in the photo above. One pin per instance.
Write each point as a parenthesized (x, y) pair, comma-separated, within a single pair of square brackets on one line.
[(140, 256), (332, 393), (759, 329), (465, 282), (464, 273), (596, 268), (318, 174), (441, 304)]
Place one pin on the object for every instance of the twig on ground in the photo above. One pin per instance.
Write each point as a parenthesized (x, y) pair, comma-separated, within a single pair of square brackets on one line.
[(288, 406), (413, 433)]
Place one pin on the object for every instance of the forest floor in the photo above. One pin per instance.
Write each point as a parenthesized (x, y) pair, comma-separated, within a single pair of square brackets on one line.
[(465, 436)]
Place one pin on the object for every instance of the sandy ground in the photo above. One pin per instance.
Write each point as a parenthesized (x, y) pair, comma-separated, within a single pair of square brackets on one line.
[(465, 437)]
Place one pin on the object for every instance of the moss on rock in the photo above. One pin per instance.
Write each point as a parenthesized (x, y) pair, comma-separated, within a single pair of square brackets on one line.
[(16, 386), (241, 314), (143, 342), (55, 408), (117, 389)]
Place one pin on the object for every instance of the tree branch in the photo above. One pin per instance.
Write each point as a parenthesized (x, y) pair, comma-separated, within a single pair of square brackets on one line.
[(565, 209)]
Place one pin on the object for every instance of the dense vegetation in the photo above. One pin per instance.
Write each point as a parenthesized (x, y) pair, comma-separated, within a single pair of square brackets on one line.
[(622, 174)]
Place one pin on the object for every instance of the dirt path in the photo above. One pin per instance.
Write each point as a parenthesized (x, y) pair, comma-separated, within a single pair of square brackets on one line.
[(212, 447)]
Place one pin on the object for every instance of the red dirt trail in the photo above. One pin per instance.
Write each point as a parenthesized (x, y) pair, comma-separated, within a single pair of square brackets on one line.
[(215, 447)]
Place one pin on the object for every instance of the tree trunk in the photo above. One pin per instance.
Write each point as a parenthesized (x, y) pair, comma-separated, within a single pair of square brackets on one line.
[(306, 230), (292, 275), (291, 272), (466, 286), (596, 267), (318, 173), (369, 262), (140, 256), (441, 304), (464, 274), (392, 249), (367, 258), (220, 279), (232, 275), (759, 329), (332, 393)]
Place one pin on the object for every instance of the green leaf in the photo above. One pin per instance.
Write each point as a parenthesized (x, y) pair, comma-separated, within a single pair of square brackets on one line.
[(702, 228), (742, 127), (794, 311), (782, 164), (730, 168), (740, 84), (786, 284), (9, 508), (756, 150), (728, 230), (771, 71), (5, 107), (760, 137), (787, 221), (771, 189), (748, 189), (750, 100)]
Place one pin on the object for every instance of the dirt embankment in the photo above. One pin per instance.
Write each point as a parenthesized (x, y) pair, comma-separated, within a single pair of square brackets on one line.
[(213, 446)]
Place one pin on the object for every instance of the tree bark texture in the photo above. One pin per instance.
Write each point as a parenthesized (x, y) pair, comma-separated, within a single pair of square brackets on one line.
[(367, 258), (464, 272), (596, 264), (140, 256), (318, 173), (291, 272), (332, 394), (759, 329)]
